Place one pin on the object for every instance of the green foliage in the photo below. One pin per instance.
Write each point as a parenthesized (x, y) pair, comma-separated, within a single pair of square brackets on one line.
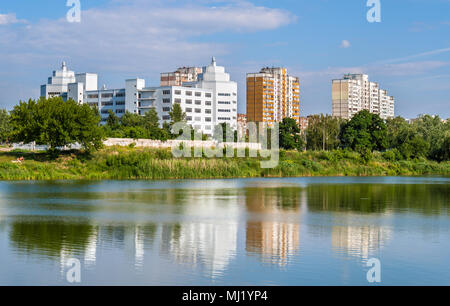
[(365, 131), (290, 135), (425, 137), (177, 114), (138, 163), (5, 126), (56, 123), (323, 132)]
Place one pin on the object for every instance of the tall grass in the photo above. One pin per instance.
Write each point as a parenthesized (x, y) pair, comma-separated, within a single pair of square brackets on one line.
[(152, 164)]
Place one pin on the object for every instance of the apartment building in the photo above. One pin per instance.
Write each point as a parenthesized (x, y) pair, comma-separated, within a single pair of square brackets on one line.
[(272, 95), (242, 125), (209, 100), (354, 92), (180, 76)]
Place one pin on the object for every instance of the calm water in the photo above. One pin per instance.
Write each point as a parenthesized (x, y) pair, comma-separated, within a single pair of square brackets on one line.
[(305, 231)]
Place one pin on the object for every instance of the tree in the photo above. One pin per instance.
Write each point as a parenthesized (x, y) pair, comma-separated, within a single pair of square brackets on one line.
[(290, 135), (131, 120), (56, 123), (5, 125), (365, 131), (151, 124), (177, 114), (220, 132), (323, 132), (113, 122)]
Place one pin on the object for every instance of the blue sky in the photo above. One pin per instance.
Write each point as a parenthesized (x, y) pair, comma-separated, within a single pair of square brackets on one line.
[(408, 53)]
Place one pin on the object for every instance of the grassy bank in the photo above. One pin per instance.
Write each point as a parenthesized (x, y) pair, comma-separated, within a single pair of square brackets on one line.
[(137, 163)]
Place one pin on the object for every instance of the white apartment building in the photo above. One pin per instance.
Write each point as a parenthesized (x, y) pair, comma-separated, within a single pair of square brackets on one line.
[(354, 92), (207, 102)]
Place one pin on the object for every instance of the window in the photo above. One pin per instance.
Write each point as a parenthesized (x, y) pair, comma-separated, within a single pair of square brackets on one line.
[(93, 104), (208, 103), (120, 94), (208, 119), (188, 93), (207, 111), (198, 102), (166, 117), (188, 118), (104, 111), (177, 100), (221, 94), (198, 119), (120, 102), (120, 111), (188, 110), (178, 92), (166, 92), (224, 111), (198, 94), (224, 102), (109, 103), (188, 101), (107, 95), (166, 109), (208, 95), (224, 118), (166, 100), (198, 110), (93, 96)]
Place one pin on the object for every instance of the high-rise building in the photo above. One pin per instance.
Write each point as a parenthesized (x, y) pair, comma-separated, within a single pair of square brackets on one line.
[(354, 93), (272, 95), (180, 76), (208, 100)]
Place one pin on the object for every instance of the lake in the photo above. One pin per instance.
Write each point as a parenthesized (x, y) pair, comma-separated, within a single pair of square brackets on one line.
[(291, 231)]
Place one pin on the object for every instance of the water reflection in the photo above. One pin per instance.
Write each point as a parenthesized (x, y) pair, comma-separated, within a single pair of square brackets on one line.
[(272, 235), (361, 242), (207, 230)]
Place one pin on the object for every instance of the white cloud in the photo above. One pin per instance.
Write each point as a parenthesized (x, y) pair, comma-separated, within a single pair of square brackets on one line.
[(11, 18), (125, 33), (345, 44)]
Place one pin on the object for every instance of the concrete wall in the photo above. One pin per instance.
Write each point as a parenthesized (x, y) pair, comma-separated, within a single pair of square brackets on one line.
[(148, 143)]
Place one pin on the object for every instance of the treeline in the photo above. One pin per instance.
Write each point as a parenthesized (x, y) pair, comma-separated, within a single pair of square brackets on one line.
[(426, 137), (56, 123)]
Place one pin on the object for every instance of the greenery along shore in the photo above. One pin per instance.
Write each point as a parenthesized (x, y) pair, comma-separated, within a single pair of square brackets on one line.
[(139, 163), (366, 145)]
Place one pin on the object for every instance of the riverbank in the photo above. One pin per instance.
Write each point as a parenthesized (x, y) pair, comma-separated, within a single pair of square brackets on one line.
[(139, 163)]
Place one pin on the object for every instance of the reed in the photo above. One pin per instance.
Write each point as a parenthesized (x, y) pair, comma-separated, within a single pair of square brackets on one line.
[(121, 163)]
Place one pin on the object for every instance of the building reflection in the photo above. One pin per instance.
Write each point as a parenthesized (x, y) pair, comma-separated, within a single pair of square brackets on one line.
[(359, 241), (206, 238), (273, 231)]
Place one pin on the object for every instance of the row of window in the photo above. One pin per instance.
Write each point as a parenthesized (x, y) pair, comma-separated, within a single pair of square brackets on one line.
[(107, 103), (106, 95), (118, 111)]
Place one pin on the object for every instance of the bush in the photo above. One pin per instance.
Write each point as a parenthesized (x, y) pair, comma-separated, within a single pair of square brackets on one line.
[(389, 156)]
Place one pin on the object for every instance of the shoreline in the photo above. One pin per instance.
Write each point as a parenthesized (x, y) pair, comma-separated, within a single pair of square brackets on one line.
[(124, 163)]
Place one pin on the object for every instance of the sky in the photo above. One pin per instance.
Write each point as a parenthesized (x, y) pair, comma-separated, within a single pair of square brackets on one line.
[(407, 53)]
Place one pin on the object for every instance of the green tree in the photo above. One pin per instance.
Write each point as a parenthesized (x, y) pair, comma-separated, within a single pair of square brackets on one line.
[(151, 123), (113, 122), (56, 123), (290, 135), (131, 120), (5, 125), (323, 132), (365, 131), (177, 114)]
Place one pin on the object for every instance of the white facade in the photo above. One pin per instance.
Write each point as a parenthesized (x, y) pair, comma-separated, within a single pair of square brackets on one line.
[(224, 93), (57, 84), (207, 102), (354, 93)]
